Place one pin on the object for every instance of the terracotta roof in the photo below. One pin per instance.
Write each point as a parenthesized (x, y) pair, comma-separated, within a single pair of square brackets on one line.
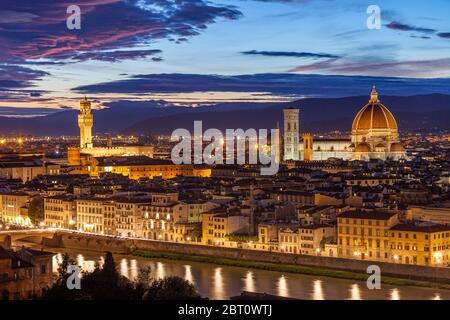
[(367, 215), (374, 115), (421, 227)]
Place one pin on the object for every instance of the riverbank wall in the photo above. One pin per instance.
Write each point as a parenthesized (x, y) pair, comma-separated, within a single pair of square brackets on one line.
[(126, 246)]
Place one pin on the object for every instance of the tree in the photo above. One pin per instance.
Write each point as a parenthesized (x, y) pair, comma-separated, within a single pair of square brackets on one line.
[(59, 290), (171, 288), (106, 283), (36, 210), (144, 277)]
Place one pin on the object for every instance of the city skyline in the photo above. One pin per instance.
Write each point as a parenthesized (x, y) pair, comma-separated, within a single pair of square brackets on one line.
[(224, 150)]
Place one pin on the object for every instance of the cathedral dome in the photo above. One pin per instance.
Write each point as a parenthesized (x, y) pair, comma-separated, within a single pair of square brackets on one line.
[(397, 147), (362, 147), (374, 115)]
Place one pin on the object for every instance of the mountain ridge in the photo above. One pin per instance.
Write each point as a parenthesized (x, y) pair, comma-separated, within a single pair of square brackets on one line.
[(316, 114)]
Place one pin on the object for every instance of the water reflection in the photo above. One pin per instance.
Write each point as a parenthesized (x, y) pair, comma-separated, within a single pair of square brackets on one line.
[(224, 282), (249, 282), (133, 269), (218, 290), (124, 267), (101, 262), (56, 260), (395, 294), (355, 292), (437, 296), (283, 287), (317, 290), (160, 272), (87, 265), (80, 260), (188, 274)]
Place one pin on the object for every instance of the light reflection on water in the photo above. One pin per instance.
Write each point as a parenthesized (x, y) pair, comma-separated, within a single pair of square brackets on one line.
[(188, 274), (283, 287), (355, 292), (318, 290), (218, 285), (249, 282), (222, 282), (133, 269), (160, 272), (437, 297), (395, 294)]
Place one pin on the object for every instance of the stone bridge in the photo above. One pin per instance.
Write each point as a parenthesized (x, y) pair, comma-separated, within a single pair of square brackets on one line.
[(35, 236)]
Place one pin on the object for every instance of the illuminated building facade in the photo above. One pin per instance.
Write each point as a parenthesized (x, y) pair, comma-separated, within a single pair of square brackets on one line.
[(90, 215), (14, 208), (217, 226), (365, 235), (374, 136), (60, 211), (85, 122), (142, 167), (379, 236), (375, 132), (420, 243), (291, 134)]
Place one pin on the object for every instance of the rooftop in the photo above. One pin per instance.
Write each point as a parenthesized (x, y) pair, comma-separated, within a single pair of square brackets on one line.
[(368, 215), (421, 227)]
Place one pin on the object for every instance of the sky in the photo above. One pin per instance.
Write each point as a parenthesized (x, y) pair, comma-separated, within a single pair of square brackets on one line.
[(194, 52)]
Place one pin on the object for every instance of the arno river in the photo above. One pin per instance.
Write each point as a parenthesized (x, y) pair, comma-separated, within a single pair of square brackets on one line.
[(222, 282)]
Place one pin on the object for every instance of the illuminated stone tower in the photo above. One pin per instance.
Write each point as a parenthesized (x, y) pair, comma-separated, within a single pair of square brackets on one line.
[(308, 147), (291, 136), (85, 122)]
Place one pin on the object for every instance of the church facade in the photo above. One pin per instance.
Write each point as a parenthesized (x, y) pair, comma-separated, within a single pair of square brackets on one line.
[(374, 135)]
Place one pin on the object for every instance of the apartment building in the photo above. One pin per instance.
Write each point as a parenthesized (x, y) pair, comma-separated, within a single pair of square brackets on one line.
[(109, 218), (60, 211), (14, 208), (217, 226), (304, 239), (130, 219), (420, 243), (365, 235), (90, 217)]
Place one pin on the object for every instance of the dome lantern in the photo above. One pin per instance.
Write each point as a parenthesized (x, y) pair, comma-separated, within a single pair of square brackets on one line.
[(374, 95)]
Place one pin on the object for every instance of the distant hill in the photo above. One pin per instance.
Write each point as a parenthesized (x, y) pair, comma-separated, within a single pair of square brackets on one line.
[(317, 115)]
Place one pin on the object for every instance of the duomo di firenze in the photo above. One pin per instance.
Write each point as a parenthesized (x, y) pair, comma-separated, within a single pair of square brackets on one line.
[(374, 135)]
